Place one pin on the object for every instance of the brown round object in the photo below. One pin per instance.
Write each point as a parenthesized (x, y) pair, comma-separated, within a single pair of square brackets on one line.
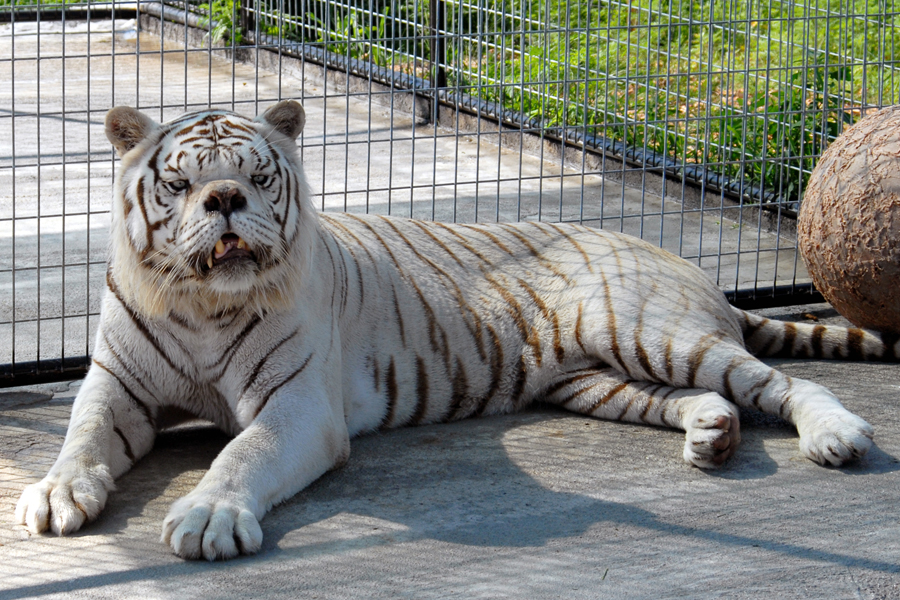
[(849, 225)]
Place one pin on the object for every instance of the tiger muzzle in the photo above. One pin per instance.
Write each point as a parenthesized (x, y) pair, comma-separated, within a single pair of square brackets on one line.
[(224, 197)]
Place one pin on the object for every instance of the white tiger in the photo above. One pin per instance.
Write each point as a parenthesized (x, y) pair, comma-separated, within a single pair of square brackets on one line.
[(229, 298)]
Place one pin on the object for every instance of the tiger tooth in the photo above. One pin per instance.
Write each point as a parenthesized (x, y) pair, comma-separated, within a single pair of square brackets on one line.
[(241, 244), (209, 261), (220, 248)]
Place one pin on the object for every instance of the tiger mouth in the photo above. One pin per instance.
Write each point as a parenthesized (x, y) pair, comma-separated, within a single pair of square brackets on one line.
[(229, 248)]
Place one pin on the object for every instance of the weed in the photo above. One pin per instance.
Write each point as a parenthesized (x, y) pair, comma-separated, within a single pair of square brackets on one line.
[(223, 15)]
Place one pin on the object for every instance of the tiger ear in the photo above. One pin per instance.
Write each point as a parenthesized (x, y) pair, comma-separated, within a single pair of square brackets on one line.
[(126, 127), (287, 117)]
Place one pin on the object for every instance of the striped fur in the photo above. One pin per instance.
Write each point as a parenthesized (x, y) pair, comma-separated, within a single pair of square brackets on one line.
[(230, 298)]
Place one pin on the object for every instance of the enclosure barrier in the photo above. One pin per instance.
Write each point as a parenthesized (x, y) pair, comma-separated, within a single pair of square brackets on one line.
[(693, 125)]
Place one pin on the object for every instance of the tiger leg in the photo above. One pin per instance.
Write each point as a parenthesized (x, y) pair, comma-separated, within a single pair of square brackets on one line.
[(829, 433), (710, 423), (109, 430)]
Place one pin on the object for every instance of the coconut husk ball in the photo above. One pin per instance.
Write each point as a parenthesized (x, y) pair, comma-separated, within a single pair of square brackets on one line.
[(849, 225)]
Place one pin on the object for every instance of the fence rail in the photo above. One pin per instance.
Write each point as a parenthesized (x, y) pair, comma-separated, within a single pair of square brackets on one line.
[(693, 125)]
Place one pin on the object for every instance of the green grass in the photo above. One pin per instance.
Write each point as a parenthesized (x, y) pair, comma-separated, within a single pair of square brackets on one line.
[(755, 90), (40, 4)]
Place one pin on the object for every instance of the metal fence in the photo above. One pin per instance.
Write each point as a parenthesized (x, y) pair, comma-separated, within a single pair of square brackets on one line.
[(689, 123)]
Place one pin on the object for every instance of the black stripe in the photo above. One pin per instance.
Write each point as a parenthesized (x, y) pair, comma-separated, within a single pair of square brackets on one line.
[(890, 344), (496, 372), (280, 385), (421, 392), (256, 370), (136, 320), (128, 452), (140, 404), (547, 393), (611, 325), (235, 345), (391, 385), (578, 328), (460, 390)]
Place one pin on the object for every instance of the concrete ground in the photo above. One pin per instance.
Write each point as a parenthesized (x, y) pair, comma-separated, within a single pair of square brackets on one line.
[(541, 504)]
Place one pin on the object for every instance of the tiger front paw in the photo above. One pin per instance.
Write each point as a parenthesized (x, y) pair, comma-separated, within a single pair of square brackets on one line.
[(835, 437), (712, 433), (65, 500), (215, 530)]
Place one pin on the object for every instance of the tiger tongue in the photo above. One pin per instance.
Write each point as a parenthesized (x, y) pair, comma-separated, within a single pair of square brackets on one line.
[(225, 245)]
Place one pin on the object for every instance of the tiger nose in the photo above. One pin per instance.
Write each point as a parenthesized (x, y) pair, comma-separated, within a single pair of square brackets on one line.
[(224, 200)]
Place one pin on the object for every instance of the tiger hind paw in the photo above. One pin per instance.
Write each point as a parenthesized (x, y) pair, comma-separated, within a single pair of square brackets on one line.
[(712, 433), (835, 438)]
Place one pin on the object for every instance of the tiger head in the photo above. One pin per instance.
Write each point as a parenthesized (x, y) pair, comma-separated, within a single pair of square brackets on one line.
[(211, 210)]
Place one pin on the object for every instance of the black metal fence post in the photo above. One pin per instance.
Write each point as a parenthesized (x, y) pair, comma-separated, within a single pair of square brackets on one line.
[(437, 9)]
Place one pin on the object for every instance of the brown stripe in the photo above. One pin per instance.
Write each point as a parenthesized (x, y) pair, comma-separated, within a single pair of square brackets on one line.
[(696, 359), (280, 385), (571, 240), (816, 340), (609, 396), (727, 392), (529, 334), (651, 399), (787, 344), (440, 243), (636, 397), (349, 232), (855, 344), (639, 350), (578, 328), (611, 325), (670, 367), (493, 238), (549, 265), (551, 316), (759, 387), (376, 373), (750, 328), (474, 330), (463, 241)]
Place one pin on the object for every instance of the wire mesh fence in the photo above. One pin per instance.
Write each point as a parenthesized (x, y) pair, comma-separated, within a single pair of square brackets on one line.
[(691, 124)]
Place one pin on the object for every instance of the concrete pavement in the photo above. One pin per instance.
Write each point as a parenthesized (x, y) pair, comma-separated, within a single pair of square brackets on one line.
[(539, 505)]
